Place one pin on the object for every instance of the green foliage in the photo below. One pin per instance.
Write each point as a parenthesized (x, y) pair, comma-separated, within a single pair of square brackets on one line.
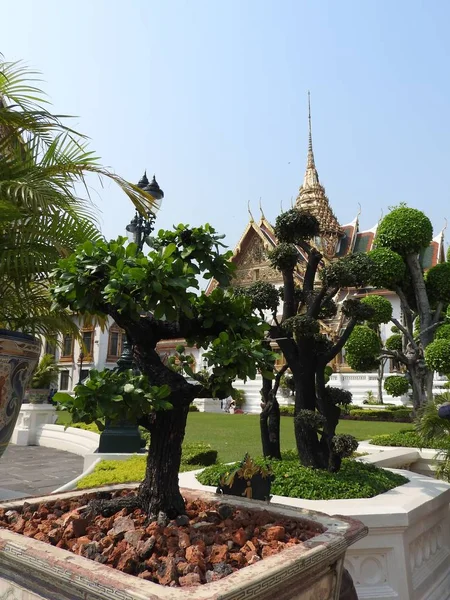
[(113, 395), (350, 271), (263, 295), (438, 283), (443, 332), (435, 431), (403, 415), (437, 355), (339, 396), (295, 226), (328, 309), (396, 385), (388, 268), (354, 480), (382, 309), (407, 438), (362, 349), (309, 419), (98, 277), (239, 398), (198, 454), (404, 230), (354, 308), (110, 472), (46, 373), (328, 372), (344, 445), (284, 257), (301, 326), (287, 411), (43, 169), (371, 398), (394, 342)]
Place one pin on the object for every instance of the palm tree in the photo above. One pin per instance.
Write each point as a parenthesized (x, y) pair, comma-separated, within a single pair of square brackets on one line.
[(43, 163), (434, 430)]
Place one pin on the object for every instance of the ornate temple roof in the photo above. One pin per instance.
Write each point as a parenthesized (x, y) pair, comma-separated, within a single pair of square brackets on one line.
[(251, 252)]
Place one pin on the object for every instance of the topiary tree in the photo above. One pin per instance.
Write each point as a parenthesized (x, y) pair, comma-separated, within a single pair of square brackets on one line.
[(396, 385), (298, 332), (402, 235), (153, 297)]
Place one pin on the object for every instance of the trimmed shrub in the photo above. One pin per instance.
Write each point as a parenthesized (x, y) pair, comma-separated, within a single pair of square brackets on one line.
[(437, 355), (394, 342), (382, 308), (287, 411), (396, 385), (404, 230), (407, 438), (402, 415), (362, 348), (388, 268)]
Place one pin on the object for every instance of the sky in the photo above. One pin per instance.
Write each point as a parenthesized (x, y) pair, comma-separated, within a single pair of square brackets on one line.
[(211, 96)]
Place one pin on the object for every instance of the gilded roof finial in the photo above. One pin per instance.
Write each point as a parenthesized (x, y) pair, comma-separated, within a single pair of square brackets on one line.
[(310, 147), (359, 211), (252, 220), (261, 210), (445, 226)]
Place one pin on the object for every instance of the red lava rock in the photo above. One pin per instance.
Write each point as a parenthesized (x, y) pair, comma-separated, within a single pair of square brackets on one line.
[(184, 539), (121, 525), (206, 544), (128, 561), (218, 554), (239, 537), (195, 556), (167, 572), (189, 580), (277, 532), (134, 537)]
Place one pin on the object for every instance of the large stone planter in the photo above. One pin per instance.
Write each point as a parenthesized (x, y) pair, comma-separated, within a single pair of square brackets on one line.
[(19, 354), (33, 570)]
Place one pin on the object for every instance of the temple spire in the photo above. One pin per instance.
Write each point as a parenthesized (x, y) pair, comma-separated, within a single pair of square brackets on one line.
[(312, 197), (311, 175)]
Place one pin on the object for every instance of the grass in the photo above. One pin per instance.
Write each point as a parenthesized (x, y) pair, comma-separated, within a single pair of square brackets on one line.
[(234, 435)]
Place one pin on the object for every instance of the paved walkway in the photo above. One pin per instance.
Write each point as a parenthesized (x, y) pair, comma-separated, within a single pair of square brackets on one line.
[(35, 470)]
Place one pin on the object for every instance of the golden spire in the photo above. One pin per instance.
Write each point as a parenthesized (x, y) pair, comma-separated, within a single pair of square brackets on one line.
[(312, 197)]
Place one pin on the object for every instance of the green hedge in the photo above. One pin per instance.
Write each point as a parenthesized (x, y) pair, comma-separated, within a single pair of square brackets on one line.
[(398, 415), (287, 411), (354, 480), (406, 437)]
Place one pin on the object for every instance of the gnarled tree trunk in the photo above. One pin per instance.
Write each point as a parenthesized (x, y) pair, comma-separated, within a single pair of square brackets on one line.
[(159, 490), (269, 421)]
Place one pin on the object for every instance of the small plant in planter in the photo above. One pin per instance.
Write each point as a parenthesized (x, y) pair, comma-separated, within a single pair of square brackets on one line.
[(45, 375), (249, 480)]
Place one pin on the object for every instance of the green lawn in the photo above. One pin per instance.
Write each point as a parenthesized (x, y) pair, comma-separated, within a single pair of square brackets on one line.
[(234, 435)]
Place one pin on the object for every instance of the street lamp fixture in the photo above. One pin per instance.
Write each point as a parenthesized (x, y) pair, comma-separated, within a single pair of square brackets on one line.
[(140, 226)]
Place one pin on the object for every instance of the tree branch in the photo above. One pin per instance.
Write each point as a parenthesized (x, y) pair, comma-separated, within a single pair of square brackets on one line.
[(403, 301), (341, 342), (405, 332), (314, 259), (278, 377), (437, 313)]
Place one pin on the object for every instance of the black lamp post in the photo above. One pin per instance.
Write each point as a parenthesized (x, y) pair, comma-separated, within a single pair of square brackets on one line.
[(124, 437)]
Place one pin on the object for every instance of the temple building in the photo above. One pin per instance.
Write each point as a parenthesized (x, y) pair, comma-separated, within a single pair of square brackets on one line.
[(335, 241)]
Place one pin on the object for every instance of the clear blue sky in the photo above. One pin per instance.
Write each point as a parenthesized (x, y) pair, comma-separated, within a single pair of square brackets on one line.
[(211, 95)]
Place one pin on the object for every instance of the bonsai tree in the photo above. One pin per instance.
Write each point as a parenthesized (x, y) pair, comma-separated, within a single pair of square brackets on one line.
[(402, 235), (155, 297), (307, 301), (42, 215)]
